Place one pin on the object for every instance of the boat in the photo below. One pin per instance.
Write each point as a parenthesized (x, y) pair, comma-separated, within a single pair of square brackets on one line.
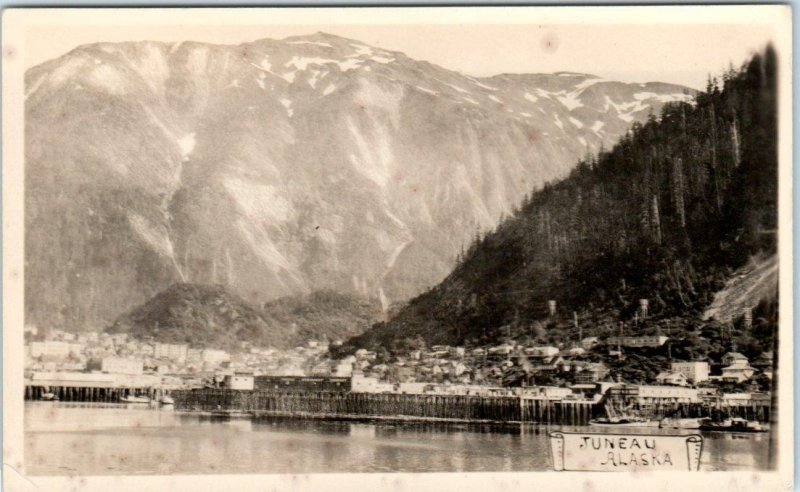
[(733, 425), (682, 423), (229, 414), (49, 396), (167, 400), (621, 417), (134, 399), (623, 421)]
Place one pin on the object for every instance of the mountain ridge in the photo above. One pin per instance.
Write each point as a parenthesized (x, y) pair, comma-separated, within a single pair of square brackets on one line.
[(278, 167)]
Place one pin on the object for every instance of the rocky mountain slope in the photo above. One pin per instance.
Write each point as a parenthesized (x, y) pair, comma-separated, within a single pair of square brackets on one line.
[(682, 213), (280, 167)]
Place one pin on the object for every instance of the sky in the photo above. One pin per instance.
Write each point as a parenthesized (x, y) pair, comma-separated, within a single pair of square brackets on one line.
[(632, 51)]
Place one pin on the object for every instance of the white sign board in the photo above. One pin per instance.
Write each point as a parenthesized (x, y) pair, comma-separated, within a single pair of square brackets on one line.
[(573, 451)]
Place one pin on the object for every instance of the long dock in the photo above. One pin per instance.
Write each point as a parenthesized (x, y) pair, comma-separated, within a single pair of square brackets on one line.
[(332, 405)]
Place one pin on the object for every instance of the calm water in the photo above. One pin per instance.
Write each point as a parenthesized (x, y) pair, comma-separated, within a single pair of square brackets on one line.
[(102, 439)]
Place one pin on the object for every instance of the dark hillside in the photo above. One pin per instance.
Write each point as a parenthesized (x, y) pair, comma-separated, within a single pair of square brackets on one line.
[(668, 215)]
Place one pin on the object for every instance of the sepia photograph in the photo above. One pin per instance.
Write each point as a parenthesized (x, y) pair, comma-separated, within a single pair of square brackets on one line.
[(420, 244)]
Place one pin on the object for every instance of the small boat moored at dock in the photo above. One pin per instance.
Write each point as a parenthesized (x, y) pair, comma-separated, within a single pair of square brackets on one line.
[(682, 423), (167, 400), (134, 399), (630, 421), (49, 397)]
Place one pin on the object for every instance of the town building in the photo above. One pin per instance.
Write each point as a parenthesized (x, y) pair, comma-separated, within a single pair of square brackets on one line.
[(541, 351), (364, 384), (214, 356), (172, 351), (734, 358), (672, 378), (652, 394), (122, 365), (55, 349), (638, 342), (240, 381), (694, 372), (592, 372), (589, 342)]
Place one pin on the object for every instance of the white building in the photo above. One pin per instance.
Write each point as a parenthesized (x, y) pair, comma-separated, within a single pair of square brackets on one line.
[(363, 384), (694, 372), (672, 378), (344, 368), (171, 351), (122, 365), (650, 394), (55, 350), (240, 381), (542, 351), (214, 356)]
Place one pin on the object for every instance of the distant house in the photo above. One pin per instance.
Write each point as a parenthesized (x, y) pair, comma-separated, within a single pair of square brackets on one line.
[(737, 372), (592, 372), (503, 349), (589, 342), (638, 342), (695, 371), (733, 358), (672, 378), (122, 365), (541, 351)]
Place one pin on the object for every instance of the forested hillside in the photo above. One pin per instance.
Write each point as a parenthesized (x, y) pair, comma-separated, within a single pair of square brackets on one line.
[(211, 316), (667, 215)]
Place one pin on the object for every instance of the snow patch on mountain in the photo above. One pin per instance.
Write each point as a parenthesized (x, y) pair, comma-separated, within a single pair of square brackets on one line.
[(186, 144), (264, 202), (313, 43), (108, 79)]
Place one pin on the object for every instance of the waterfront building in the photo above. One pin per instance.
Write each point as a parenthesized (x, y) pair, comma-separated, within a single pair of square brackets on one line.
[(672, 378), (364, 384), (745, 399), (75, 379), (694, 372), (301, 383), (652, 394), (240, 381), (122, 365)]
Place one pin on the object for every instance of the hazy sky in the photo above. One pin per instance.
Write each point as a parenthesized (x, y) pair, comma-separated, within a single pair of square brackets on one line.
[(634, 52)]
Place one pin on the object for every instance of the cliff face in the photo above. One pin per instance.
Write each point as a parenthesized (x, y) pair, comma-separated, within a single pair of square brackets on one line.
[(682, 212), (280, 167)]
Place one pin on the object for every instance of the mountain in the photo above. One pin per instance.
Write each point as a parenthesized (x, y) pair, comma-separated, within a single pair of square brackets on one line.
[(681, 212), (322, 315), (206, 316), (280, 167), (210, 316)]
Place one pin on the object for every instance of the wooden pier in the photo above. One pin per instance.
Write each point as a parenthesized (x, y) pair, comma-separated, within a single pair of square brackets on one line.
[(92, 394), (332, 405)]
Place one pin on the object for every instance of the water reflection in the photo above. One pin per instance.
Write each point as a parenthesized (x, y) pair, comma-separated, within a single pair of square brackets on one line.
[(91, 439)]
